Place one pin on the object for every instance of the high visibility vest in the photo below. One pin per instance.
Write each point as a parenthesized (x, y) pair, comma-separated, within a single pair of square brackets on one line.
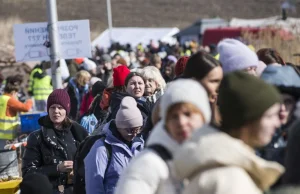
[(31, 79), (42, 88), (8, 125)]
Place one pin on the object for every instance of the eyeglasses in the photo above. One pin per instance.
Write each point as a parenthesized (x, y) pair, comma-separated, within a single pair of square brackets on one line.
[(136, 130)]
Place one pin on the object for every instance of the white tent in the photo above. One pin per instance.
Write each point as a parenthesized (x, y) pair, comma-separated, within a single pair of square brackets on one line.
[(290, 24), (134, 36)]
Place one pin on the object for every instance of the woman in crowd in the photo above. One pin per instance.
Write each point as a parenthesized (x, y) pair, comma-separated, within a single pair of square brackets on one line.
[(270, 57), (236, 56), (110, 155), (51, 150), (154, 83), (88, 98), (135, 87), (207, 71), (224, 161), (183, 110), (287, 81), (154, 89), (76, 89)]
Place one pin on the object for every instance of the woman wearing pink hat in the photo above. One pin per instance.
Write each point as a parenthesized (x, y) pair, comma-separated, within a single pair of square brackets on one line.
[(109, 156)]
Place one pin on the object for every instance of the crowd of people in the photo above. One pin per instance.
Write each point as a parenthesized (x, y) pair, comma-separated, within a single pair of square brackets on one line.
[(162, 119)]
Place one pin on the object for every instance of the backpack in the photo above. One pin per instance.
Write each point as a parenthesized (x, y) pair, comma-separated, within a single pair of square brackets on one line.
[(82, 151)]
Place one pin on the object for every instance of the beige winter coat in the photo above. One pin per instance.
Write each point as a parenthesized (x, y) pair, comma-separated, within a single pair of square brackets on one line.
[(216, 163)]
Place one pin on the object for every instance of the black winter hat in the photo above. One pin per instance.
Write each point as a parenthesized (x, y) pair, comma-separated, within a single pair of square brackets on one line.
[(244, 98), (36, 184), (98, 88)]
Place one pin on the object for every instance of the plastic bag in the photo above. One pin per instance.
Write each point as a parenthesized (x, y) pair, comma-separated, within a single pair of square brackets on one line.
[(89, 122)]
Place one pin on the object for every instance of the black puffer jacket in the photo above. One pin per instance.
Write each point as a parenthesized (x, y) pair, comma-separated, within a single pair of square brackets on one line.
[(292, 159), (44, 152)]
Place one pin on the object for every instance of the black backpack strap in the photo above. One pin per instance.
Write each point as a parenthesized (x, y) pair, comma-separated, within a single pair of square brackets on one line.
[(109, 153), (161, 151)]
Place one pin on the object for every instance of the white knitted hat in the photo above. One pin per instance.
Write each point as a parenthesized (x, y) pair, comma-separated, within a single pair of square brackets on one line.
[(234, 55), (89, 65), (186, 90)]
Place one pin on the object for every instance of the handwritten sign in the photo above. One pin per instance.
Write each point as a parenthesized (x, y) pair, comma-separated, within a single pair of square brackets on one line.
[(32, 39)]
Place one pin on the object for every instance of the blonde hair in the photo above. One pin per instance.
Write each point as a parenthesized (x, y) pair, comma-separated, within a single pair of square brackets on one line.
[(81, 76), (151, 72), (177, 106), (155, 59)]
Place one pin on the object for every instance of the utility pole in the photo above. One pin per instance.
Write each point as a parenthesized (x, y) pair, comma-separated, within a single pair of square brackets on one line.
[(109, 18), (54, 46)]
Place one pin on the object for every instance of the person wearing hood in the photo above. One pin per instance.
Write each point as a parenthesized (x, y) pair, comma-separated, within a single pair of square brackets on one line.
[(77, 88), (184, 108), (287, 81), (235, 56), (224, 161), (51, 149), (103, 169)]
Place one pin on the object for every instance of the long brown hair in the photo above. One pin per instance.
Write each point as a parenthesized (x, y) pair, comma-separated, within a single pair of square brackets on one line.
[(269, 56)]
